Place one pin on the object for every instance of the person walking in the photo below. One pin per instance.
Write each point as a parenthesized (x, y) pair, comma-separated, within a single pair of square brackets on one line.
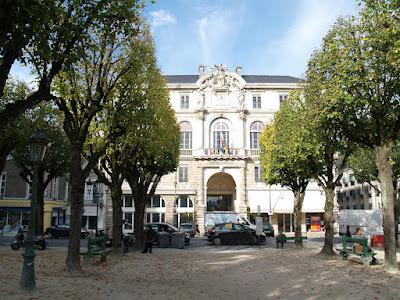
[(348, 233), (149, 238)]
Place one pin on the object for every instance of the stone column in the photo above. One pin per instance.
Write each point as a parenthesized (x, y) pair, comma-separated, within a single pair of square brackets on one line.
[(242, 191), (169, 208), (201, 200)]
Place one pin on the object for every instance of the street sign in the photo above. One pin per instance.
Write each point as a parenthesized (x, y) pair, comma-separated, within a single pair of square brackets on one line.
[(270, 213)]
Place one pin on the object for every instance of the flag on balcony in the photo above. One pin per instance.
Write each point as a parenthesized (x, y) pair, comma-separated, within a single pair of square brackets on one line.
[(221, 143), (223, 147)]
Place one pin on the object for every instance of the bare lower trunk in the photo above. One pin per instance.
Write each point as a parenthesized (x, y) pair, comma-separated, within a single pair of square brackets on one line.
[(77, 191), (298, 205), (116, 195), (140, 204), (385, 173), (329, 221)]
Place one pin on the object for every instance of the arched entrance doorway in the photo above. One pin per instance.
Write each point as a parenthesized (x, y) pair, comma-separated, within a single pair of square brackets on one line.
[(221, 193)]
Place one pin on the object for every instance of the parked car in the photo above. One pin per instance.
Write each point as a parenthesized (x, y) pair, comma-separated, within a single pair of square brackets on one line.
[(233, 234), (268, 229), (62, 231), (188, 227), (166, 227)]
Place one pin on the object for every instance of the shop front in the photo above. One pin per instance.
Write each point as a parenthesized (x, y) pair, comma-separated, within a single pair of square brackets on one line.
[(13, 218)]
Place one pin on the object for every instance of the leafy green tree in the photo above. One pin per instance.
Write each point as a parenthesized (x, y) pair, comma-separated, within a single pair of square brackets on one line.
[(84, 89), (16, 129), (358, 67), (330, 149), (119, 120), (153, 143), (362, 163), (284, 154), (56, 160), (46, 35)]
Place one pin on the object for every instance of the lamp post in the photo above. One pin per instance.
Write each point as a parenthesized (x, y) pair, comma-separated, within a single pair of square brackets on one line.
[(38, 142), (89, 186), (97, 193)]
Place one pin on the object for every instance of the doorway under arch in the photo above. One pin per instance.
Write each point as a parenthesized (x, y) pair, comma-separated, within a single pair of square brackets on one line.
[(221, 193)]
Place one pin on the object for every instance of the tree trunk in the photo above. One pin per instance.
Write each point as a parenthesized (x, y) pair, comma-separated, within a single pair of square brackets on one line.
[(77, 191), (116, 196), (140, 205), (385, 173), (329, 220), (298, 205)]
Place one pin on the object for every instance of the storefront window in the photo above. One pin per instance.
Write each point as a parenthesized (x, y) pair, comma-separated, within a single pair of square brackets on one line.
[(285, 223), (3, 219), (219, 203)]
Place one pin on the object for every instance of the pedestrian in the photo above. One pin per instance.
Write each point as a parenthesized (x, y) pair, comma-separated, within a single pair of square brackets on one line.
[(359, 248), (348, 233), (197, 229), (149, 238)]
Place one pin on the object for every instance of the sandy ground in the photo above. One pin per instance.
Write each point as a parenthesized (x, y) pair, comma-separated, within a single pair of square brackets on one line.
[(226, 272)]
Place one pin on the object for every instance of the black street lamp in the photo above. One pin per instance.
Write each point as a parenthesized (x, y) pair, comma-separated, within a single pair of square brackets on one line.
[(97, 194), (38, 142)]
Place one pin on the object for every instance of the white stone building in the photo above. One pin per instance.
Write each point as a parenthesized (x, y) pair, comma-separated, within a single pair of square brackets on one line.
[(221, 115)]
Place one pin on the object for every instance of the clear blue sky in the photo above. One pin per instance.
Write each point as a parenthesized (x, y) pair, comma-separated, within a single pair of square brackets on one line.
[(272, 37)]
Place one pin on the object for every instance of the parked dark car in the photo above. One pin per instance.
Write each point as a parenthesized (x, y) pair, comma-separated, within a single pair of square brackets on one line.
[(233, 234), (166, 227), (188, 228), (268, 229), (62, 231)]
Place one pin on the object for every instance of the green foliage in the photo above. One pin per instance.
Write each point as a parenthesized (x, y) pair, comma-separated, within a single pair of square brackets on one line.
[(357, 68), (362, 162), (57, 156), (47, 35), (285, 149), (18, 128)]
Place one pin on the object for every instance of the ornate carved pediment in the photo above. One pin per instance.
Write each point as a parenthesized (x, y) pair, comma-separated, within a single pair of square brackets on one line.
[(221, 88), (220, 80)]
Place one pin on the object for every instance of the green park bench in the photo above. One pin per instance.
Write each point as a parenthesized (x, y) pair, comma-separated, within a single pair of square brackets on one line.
[(283, 239), (348, 248), (96, 246)]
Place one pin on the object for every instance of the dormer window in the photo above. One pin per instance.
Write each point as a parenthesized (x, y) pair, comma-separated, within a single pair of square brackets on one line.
[(184, 101)]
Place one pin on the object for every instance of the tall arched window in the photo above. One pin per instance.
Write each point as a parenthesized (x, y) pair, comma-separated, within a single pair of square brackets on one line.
[(155, 201), (255, 131), (183, 201), (220, 134), (186, 135)]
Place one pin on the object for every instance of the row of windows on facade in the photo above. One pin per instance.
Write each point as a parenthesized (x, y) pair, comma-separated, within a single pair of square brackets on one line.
[(156, 201), (54, 188), (150, 218), (184, 104), (183, 174), (220, 134)]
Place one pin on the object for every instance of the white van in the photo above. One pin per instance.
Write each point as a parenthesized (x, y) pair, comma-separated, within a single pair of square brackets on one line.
[(370, 220)]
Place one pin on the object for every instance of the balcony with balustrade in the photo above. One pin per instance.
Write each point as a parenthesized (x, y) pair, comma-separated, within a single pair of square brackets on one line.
[(219, 153)]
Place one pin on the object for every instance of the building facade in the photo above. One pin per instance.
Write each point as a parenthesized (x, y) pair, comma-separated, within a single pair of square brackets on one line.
[(221, 115), (15, 197)]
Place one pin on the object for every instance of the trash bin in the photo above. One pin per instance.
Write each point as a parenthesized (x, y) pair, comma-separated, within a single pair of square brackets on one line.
[(163, 239), (178, 240)]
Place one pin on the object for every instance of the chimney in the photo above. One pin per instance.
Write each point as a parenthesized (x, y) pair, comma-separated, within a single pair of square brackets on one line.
[(201, 70), (239, 70)]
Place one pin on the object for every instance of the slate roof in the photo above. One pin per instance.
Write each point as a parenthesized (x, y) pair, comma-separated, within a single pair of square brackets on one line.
[(177, 79)]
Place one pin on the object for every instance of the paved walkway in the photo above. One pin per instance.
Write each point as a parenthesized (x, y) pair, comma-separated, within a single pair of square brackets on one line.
[(207, 272)]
